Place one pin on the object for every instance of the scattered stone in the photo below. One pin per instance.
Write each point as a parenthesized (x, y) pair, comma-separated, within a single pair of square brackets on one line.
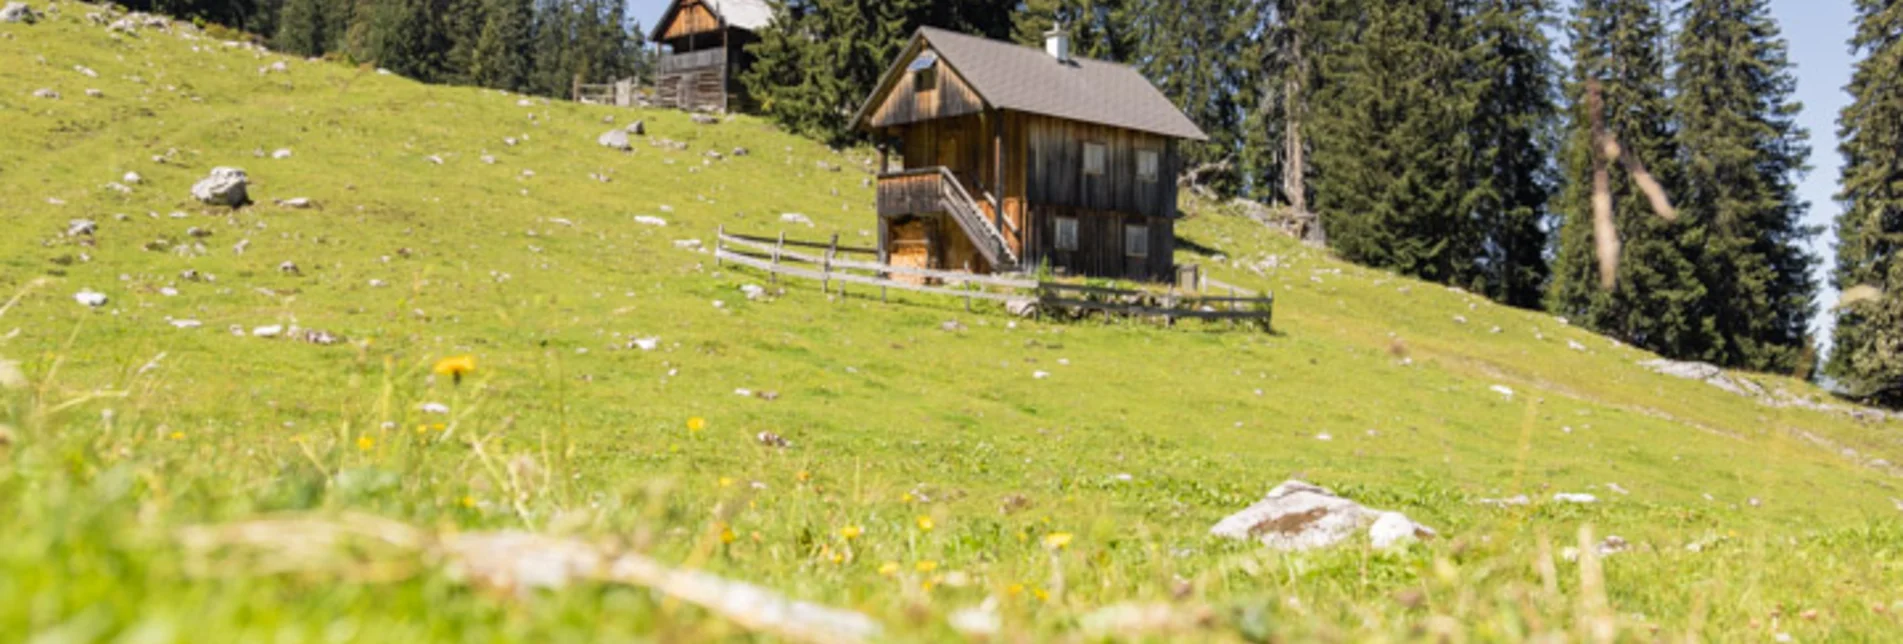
[(1575, 497), (703, 119), (1709, 373), (1023, 307), (1040, 375), (616, 139), (714, 155), (1575, 345), (18, 12), (650, 220), (132, 178), (240, 247), (318, 337), (952, 326), (271, 331), (1301, 516), (296, 203), (85, 71), (753, 291), (435, 408), (281, 153), (771, 439), (94, 92), (224, 187), (46, 94), (289, 268), (436, 159), (81, 227), (90, 298), (118, 187), (796, 218), (377, 283), (168, 291), (1502, 390), (741, 152), (690, 244), (186, 324), (487, 159), (645, 344), (1516, 500), (198, 233), (637, 128), (1616, 489)]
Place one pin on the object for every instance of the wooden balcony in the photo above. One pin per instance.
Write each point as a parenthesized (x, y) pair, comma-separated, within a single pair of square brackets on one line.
[(911, 192), (693, 61), (922, 191)]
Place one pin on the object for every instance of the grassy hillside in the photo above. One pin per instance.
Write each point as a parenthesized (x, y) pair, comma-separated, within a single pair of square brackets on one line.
[(1747, 520)]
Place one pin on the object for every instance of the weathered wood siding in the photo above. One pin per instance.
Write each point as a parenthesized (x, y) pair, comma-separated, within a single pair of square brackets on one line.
[(1056, 172), (905, 104), (706, 77), (693, 18), (1100, 244)]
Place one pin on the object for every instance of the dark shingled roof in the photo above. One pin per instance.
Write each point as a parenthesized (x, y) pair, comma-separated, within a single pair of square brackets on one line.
[(1026, 79)]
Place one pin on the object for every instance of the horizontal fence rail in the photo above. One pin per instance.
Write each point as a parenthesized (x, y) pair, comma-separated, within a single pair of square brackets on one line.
[(825, 262)]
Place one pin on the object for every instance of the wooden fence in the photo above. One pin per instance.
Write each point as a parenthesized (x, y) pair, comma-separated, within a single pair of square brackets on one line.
[(835, 266)]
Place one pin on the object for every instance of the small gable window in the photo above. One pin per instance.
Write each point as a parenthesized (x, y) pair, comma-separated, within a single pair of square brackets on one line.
[(1148, 166), (925, 72), (1136, 240), (1094, 159), (1067, 233)]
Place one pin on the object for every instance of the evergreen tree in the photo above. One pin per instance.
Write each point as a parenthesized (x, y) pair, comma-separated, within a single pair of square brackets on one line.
[(1202, 55), (402, 36), (1513, 133), (822, 58), (1743, 152), (462, 27), (552, 70), (1393, 155), (302, 28), (1659, 301), (500, 58), (1867, 353)]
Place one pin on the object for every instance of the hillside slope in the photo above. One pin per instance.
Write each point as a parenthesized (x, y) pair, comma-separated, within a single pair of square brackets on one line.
[(452, 221)]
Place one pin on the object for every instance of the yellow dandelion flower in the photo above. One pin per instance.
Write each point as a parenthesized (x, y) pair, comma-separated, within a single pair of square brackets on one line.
[(696, 424), (727, 535), (1041, 595), (804, 476), (1014, 590), (889, 568), (422, 429), (925, 524), (927, 566), (366, 443), (851, 532), (455, 367), (726, 481), (441, 427), (1057, 540), (907, 497), (838, 558), (927, 585), (469, 502), (178, 436)]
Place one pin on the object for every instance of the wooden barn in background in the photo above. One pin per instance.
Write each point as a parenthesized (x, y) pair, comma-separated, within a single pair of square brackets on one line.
[(704, 50), (1016, 158)]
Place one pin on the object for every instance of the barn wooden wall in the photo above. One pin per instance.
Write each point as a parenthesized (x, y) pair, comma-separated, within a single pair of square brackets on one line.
[(904, 105), (1100, 244), (1057, 168)]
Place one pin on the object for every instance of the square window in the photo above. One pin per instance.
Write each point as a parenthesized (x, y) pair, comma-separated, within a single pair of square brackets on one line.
[(1067, 233), (1094, 154), (925, 80), (1136, 240), (1148, 165)]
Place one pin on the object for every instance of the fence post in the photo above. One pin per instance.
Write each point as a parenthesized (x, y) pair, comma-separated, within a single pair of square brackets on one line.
[(720, 238), (1232, 307), (1169, 306), (826, 267), (773, 275)]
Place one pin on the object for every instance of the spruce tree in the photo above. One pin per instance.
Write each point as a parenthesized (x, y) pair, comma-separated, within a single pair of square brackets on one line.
[(1743, 154), (822, 58), (1098, 28), (1513, 131), (1659, 302), (500, 58), (1393, 156), (1867, 350), (302, 28), (1202, 54)]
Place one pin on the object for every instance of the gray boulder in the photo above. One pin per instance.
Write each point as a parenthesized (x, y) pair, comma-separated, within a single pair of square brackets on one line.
[(18, 12), (1300, 516), (638, 128), (616, 138), (704, 119), (225, 187)]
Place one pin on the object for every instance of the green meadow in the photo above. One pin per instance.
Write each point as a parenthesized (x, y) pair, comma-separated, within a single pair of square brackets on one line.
[(930, 470)]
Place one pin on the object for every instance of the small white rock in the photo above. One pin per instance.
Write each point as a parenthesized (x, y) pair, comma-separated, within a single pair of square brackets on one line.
[(650, 220), (271, 331), (90, 298), (1574, 497), (1502, 390), (187, 324), (435, 408)]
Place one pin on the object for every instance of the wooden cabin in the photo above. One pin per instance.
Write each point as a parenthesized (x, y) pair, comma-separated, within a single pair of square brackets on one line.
[(703, 50), (1017, 158)]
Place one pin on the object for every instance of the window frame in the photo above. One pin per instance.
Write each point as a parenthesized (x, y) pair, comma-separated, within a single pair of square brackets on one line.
[(1155, 158), (1103, 159), (1140, 234), (1061, 242)]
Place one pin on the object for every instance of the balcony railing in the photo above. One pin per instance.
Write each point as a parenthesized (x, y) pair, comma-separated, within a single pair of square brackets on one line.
[(677, 63), (936, 190)]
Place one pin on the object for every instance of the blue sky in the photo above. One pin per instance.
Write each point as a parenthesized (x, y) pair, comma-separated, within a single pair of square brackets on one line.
[(1818, 32)]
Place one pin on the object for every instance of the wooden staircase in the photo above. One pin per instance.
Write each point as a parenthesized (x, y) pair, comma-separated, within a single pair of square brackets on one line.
[(937, 189)]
